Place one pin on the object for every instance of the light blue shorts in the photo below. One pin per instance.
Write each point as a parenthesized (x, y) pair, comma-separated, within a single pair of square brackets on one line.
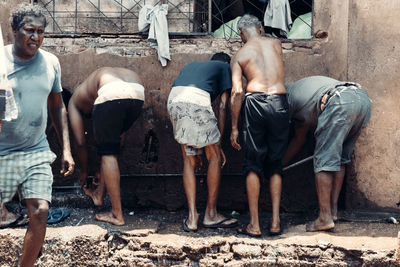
[(339, 126), (28, 171)]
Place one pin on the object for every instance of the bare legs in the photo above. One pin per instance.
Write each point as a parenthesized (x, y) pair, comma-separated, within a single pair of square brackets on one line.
[(211, 215), (34, 237), (189, 183), (109, 172), (253, 193), (328, 186), (275, 187), (336, 187)]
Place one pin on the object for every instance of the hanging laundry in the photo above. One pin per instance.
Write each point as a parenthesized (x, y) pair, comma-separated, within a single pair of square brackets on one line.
[(278, 16), (154, 19)]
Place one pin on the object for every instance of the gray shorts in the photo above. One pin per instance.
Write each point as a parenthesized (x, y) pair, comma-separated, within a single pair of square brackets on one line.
[(339, 126), (28, 171)]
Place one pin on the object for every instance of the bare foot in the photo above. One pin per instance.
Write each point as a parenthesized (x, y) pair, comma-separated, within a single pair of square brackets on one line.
[(275, 226), (94, 194), (110, 218), (250, 231), (334, 213), (320, 225), (191, 222), (219, 221)]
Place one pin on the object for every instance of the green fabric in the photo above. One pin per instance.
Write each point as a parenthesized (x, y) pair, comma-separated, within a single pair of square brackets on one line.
[(301, 28), (228, 30)]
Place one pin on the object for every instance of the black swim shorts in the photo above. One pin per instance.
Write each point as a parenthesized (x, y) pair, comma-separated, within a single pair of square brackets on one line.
[(110, 120), (265, 133)]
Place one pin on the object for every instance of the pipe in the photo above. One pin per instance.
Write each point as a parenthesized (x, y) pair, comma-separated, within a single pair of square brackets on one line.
[(137, 175), (298, 163)]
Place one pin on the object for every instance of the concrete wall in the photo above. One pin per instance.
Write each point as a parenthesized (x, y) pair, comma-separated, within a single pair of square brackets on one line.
[(359, 49), (374, 62)]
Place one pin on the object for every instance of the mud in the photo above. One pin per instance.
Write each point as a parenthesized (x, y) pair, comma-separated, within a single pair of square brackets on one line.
[(156, 238)]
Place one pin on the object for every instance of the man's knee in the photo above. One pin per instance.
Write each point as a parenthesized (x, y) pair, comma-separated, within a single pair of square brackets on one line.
[(190, 161), (213, 154), (38, 210)]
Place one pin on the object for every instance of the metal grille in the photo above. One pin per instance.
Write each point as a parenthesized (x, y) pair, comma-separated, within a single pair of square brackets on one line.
[(115, 16), (219, 14), (121, 16)]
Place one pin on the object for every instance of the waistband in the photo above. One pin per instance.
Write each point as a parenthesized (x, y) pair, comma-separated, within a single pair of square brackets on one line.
[(340, 87), (119, 90), (262, 93)]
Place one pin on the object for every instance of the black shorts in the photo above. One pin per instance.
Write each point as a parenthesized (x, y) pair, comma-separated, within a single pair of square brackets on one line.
[(265, 133), (110, 120)]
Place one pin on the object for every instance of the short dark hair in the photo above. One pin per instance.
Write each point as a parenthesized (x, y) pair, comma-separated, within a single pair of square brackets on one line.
[(23, 10), (221, 56), (248, 21)]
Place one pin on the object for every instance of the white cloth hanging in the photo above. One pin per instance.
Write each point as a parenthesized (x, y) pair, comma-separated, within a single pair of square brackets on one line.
[(154, 19)]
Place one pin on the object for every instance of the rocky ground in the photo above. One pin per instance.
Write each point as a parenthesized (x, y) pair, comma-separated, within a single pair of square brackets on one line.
[(156, 238)]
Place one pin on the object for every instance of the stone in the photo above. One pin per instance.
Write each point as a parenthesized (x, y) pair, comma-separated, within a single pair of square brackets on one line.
[(246, 251)]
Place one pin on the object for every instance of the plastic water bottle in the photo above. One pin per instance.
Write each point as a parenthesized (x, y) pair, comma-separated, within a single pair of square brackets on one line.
[(11, 110)]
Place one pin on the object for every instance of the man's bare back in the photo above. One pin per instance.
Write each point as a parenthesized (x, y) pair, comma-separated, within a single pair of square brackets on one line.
[(86, 93), (260, 59)]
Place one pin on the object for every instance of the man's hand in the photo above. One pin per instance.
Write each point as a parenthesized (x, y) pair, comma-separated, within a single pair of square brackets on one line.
[(223, 157), (234, 139), (67, 164)]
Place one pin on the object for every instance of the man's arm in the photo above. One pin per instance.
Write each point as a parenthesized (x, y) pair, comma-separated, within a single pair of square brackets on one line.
[(236, 100), (77, 127), (58, 115), (295, 144)]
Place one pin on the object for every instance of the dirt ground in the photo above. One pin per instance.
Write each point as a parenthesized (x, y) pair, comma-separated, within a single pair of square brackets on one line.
[(156, 238)]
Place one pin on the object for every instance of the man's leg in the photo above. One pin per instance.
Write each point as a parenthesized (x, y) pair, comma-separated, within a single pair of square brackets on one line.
[(253, 193), (336, 188), (34, 237), (324, 221), (211, 216), (109, 171), (275, 187), (96, 194), (213, 182), (189, 183)]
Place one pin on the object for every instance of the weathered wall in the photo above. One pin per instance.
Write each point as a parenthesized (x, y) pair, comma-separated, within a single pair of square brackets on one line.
[(5, 8), (79, 56), (374, 62)]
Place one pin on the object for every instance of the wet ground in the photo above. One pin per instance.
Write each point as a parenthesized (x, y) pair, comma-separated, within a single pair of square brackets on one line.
[(156, 238)]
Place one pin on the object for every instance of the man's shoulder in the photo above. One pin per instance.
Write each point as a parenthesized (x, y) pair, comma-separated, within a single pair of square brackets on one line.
[(49, 57)]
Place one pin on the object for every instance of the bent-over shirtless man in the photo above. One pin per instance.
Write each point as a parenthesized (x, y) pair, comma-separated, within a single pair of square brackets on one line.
[(114, 98), (265, 116)]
